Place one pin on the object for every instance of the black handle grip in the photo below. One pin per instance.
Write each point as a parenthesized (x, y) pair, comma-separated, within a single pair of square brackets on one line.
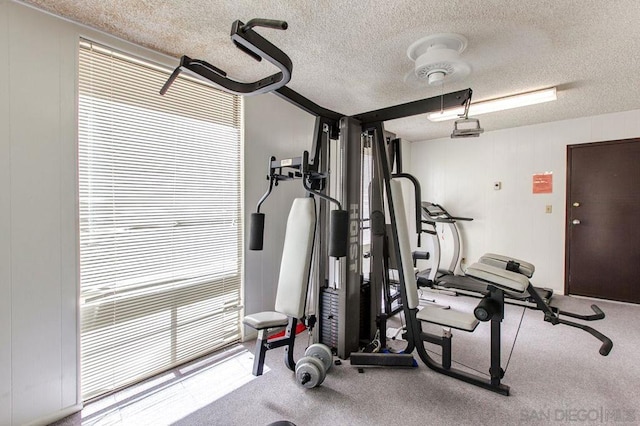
[(170, 81), (424, 255), (267, 23), (607, 344), (256, 231), (597, 315), (606, 347), (338, 233)]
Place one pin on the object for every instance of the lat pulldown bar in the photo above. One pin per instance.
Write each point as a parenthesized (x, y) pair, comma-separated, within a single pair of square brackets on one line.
[(299, 167)]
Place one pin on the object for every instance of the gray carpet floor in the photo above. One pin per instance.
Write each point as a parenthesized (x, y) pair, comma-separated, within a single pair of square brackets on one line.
[(555, 373)]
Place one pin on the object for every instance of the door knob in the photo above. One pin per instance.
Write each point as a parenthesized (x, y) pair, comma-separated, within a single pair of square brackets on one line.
[(576, 204), (576, 221)]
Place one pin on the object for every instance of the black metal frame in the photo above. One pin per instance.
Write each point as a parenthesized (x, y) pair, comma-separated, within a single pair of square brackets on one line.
[(496, 372), (263, 344), (349, 292), (308, 105), (448, 100), (553, 316)]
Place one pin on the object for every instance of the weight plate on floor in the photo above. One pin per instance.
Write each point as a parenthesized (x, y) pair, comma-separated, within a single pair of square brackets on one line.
[(310, 372), (322, 352)]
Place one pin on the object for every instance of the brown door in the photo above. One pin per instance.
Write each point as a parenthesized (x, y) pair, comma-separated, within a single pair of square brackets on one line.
[(603, 220)]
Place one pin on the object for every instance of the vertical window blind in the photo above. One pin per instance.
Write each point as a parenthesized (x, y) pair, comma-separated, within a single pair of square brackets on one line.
[(160, 219)]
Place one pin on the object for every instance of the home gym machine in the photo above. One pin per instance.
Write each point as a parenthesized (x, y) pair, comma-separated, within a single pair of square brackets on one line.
[(351, 315), (350, 309)]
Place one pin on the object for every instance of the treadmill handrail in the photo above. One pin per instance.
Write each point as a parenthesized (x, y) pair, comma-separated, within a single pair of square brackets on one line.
[(437, 213)]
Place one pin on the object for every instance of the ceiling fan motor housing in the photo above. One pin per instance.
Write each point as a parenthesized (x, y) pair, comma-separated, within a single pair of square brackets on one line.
[(437, 58)]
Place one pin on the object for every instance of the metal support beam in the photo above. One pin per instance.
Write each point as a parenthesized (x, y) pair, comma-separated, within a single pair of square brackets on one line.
[(306, 104), (351, 276), (422, 106)]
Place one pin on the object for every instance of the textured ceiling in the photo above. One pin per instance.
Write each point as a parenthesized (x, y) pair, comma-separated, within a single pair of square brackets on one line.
[(350, 56)]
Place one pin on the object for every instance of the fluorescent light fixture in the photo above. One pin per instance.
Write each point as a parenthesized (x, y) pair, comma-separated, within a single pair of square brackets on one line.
[(499, 104)]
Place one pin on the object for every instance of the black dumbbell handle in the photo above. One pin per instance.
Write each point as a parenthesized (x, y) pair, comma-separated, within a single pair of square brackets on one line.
[(306, 378)]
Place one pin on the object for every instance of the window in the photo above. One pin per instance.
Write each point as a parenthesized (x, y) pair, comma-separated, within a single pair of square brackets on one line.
[(160, 219)]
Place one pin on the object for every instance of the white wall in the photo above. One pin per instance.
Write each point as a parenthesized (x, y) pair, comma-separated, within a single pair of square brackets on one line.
[(459, 174), (38, 293), (272, 127)]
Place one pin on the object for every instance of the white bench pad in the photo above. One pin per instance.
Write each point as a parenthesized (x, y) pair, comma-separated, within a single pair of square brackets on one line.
[(501, 261), (501, 278), (263, 320), (448, 318)]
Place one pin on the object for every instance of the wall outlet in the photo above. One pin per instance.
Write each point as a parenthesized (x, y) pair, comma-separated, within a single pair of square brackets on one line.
[(497, 186), (548, 209)]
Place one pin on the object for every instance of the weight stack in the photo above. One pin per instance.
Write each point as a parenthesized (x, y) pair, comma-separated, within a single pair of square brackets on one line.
[(329, 317)]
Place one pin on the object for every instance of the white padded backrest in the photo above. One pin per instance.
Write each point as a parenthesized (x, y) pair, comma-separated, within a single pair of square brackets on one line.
[(296, 258), (501, 278), (405, 247), (501, 261)]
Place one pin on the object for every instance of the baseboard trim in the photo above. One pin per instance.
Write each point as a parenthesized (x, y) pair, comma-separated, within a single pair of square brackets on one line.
[(56, 416)]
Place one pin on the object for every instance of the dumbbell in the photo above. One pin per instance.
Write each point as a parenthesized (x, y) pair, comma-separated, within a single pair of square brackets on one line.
[(311, 369)]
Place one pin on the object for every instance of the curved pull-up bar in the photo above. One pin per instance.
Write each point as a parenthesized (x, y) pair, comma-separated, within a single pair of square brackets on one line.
[(254, 45), (267, 23)]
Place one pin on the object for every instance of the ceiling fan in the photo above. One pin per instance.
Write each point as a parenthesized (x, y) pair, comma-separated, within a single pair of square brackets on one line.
[(437, 60)]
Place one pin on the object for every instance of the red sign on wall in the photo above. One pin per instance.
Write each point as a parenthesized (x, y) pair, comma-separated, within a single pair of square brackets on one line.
[(543, 183)]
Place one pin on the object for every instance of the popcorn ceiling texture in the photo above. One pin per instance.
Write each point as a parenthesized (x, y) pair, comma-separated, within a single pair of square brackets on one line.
[(350, 56)]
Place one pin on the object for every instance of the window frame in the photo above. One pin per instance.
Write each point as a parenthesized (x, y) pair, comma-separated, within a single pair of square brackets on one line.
[(240, 186)]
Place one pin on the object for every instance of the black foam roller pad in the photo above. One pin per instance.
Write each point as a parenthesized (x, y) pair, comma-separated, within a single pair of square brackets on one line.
[(486, 309), (338, 233), (256, 231)]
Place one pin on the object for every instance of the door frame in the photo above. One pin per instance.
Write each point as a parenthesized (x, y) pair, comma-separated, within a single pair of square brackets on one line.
[(567, 222)]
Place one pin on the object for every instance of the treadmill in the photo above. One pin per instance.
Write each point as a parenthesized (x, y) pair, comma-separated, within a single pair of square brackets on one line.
[(446, 279)]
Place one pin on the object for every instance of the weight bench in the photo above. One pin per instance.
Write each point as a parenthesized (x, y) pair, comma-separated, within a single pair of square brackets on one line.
[(509, 263), (522, 267), (293, 283), (493, 276), (490, 308), (541, 300)]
